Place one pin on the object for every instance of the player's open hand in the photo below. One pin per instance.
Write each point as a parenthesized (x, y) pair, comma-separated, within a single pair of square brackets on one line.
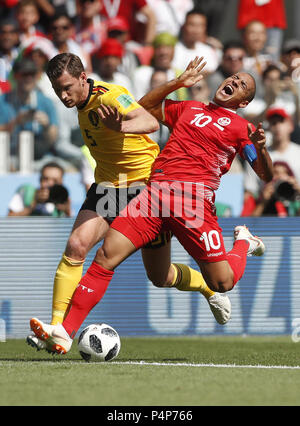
[(257, 137), (110, 117), (193, 72)]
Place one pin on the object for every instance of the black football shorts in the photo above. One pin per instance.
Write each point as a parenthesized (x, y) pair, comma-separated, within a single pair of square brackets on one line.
[(109, 201)]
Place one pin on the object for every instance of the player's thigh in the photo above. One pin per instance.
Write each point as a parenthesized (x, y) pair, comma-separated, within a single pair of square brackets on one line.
[(89, 228), (157, 262)]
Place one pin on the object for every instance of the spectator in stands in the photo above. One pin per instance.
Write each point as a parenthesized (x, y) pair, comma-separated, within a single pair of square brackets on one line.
[(137, 13), (69, 139), (9, 51), (4, 86), (272, 83), (118, 28), (193, 42), (291, 60), (27, 15), (232, 62), (106, 64), (61, 31), (40, 52), (280, 91), (90, 31), (170, 15), (7, 8), (200, 92), (164, 47), (291, 55), (26, 108), (272, 14), (50, 199), (215, 11), (281, 148), (281, 197), (48, 8), (254, 39), (158, 78)]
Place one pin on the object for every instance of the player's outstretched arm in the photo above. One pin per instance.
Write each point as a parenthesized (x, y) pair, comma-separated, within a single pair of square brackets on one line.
[(138, 121), (263, 165), (152, 101)]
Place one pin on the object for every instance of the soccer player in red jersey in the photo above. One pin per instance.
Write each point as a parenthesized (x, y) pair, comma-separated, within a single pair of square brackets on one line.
[(180, 194)]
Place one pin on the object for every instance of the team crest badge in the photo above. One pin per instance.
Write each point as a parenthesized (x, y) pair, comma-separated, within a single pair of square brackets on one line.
[(224, 121)]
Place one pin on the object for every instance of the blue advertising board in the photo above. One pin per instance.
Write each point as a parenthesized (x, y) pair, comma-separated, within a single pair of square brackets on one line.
[(265, 301)]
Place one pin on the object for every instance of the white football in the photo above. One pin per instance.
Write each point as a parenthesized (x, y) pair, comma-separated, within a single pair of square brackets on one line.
[(99, 342)]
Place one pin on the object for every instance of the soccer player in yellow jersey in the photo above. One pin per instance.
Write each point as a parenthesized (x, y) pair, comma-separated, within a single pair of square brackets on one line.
[(123, 166)]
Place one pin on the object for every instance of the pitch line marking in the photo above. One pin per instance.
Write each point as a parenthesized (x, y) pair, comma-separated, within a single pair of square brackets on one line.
[(184, 364), (157, 364)]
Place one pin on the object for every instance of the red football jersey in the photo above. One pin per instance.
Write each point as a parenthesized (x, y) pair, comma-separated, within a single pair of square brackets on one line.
[(203, 143), (270, 12)]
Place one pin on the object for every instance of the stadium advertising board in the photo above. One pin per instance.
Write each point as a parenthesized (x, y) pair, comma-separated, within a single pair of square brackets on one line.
[(265, 301)]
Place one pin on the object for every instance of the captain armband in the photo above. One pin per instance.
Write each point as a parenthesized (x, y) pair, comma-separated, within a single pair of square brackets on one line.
[(250, 153)]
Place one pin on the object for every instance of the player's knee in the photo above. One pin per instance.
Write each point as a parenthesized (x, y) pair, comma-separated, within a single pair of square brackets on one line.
[(104, 259), (101, 257), (159, 283), (220, 286), (219, 280), (76, 248), (155, 280), (159, 279)]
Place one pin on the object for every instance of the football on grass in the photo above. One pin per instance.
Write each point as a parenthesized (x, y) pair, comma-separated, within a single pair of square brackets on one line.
[(99, 342)]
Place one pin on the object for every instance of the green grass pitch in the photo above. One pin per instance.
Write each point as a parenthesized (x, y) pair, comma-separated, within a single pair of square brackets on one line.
[(187, 371)]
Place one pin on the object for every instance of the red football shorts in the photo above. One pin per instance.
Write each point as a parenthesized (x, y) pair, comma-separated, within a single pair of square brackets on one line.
[(185, 209)]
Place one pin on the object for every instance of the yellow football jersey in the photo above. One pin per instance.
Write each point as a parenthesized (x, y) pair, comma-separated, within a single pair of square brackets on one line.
[(121, 159)]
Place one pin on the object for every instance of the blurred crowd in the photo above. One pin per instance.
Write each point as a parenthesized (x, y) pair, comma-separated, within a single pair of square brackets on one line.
[(140, 44)]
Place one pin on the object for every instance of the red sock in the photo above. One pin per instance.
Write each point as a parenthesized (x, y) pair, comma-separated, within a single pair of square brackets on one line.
[(89, 292), (237, 258)]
